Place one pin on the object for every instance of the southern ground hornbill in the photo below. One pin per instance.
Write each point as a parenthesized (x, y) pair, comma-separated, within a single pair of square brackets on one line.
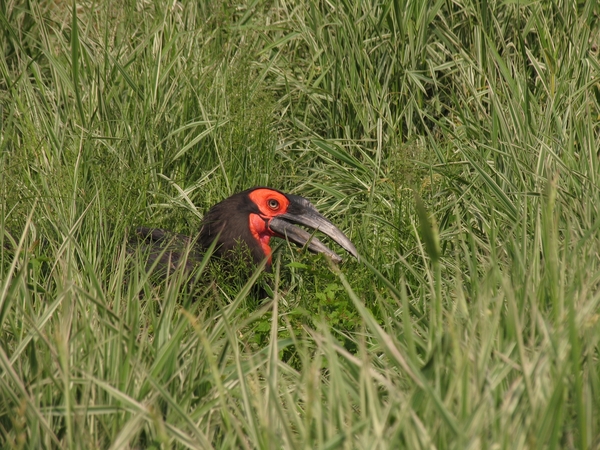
[(252, 217)]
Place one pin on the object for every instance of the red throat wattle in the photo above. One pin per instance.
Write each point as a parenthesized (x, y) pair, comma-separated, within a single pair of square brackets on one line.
[(261, 232)]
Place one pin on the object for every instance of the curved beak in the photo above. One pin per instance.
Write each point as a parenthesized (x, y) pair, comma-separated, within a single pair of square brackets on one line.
[(302, 212)]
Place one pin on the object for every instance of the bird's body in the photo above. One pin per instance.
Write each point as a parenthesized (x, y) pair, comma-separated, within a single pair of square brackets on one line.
[(251, 217)]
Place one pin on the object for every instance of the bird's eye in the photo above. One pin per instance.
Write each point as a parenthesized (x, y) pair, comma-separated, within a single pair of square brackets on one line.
[(273, 204)]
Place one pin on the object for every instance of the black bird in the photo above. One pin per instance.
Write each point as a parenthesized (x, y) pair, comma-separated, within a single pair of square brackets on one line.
[(252, 217)]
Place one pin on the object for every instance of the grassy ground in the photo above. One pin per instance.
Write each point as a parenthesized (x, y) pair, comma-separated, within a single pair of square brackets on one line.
[(456, 143)]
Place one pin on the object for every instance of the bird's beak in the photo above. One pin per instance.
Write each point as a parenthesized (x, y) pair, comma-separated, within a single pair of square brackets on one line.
[(302, 212)]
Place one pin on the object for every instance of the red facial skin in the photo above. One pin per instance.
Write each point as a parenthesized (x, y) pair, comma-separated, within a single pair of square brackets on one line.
[(271, 204)]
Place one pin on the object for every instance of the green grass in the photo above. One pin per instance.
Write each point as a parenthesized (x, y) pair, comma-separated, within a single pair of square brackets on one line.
[(456, 143)]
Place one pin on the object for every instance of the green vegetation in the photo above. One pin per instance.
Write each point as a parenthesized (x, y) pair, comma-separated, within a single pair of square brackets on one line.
[(455, 142)]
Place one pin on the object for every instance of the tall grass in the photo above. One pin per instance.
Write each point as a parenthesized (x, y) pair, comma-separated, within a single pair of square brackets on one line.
[(455, 142)]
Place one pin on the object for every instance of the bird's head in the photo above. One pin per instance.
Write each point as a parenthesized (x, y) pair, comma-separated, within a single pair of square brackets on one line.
[(256, 215)]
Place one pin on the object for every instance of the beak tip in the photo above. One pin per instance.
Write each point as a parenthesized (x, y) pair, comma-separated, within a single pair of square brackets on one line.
[(334, 257)]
